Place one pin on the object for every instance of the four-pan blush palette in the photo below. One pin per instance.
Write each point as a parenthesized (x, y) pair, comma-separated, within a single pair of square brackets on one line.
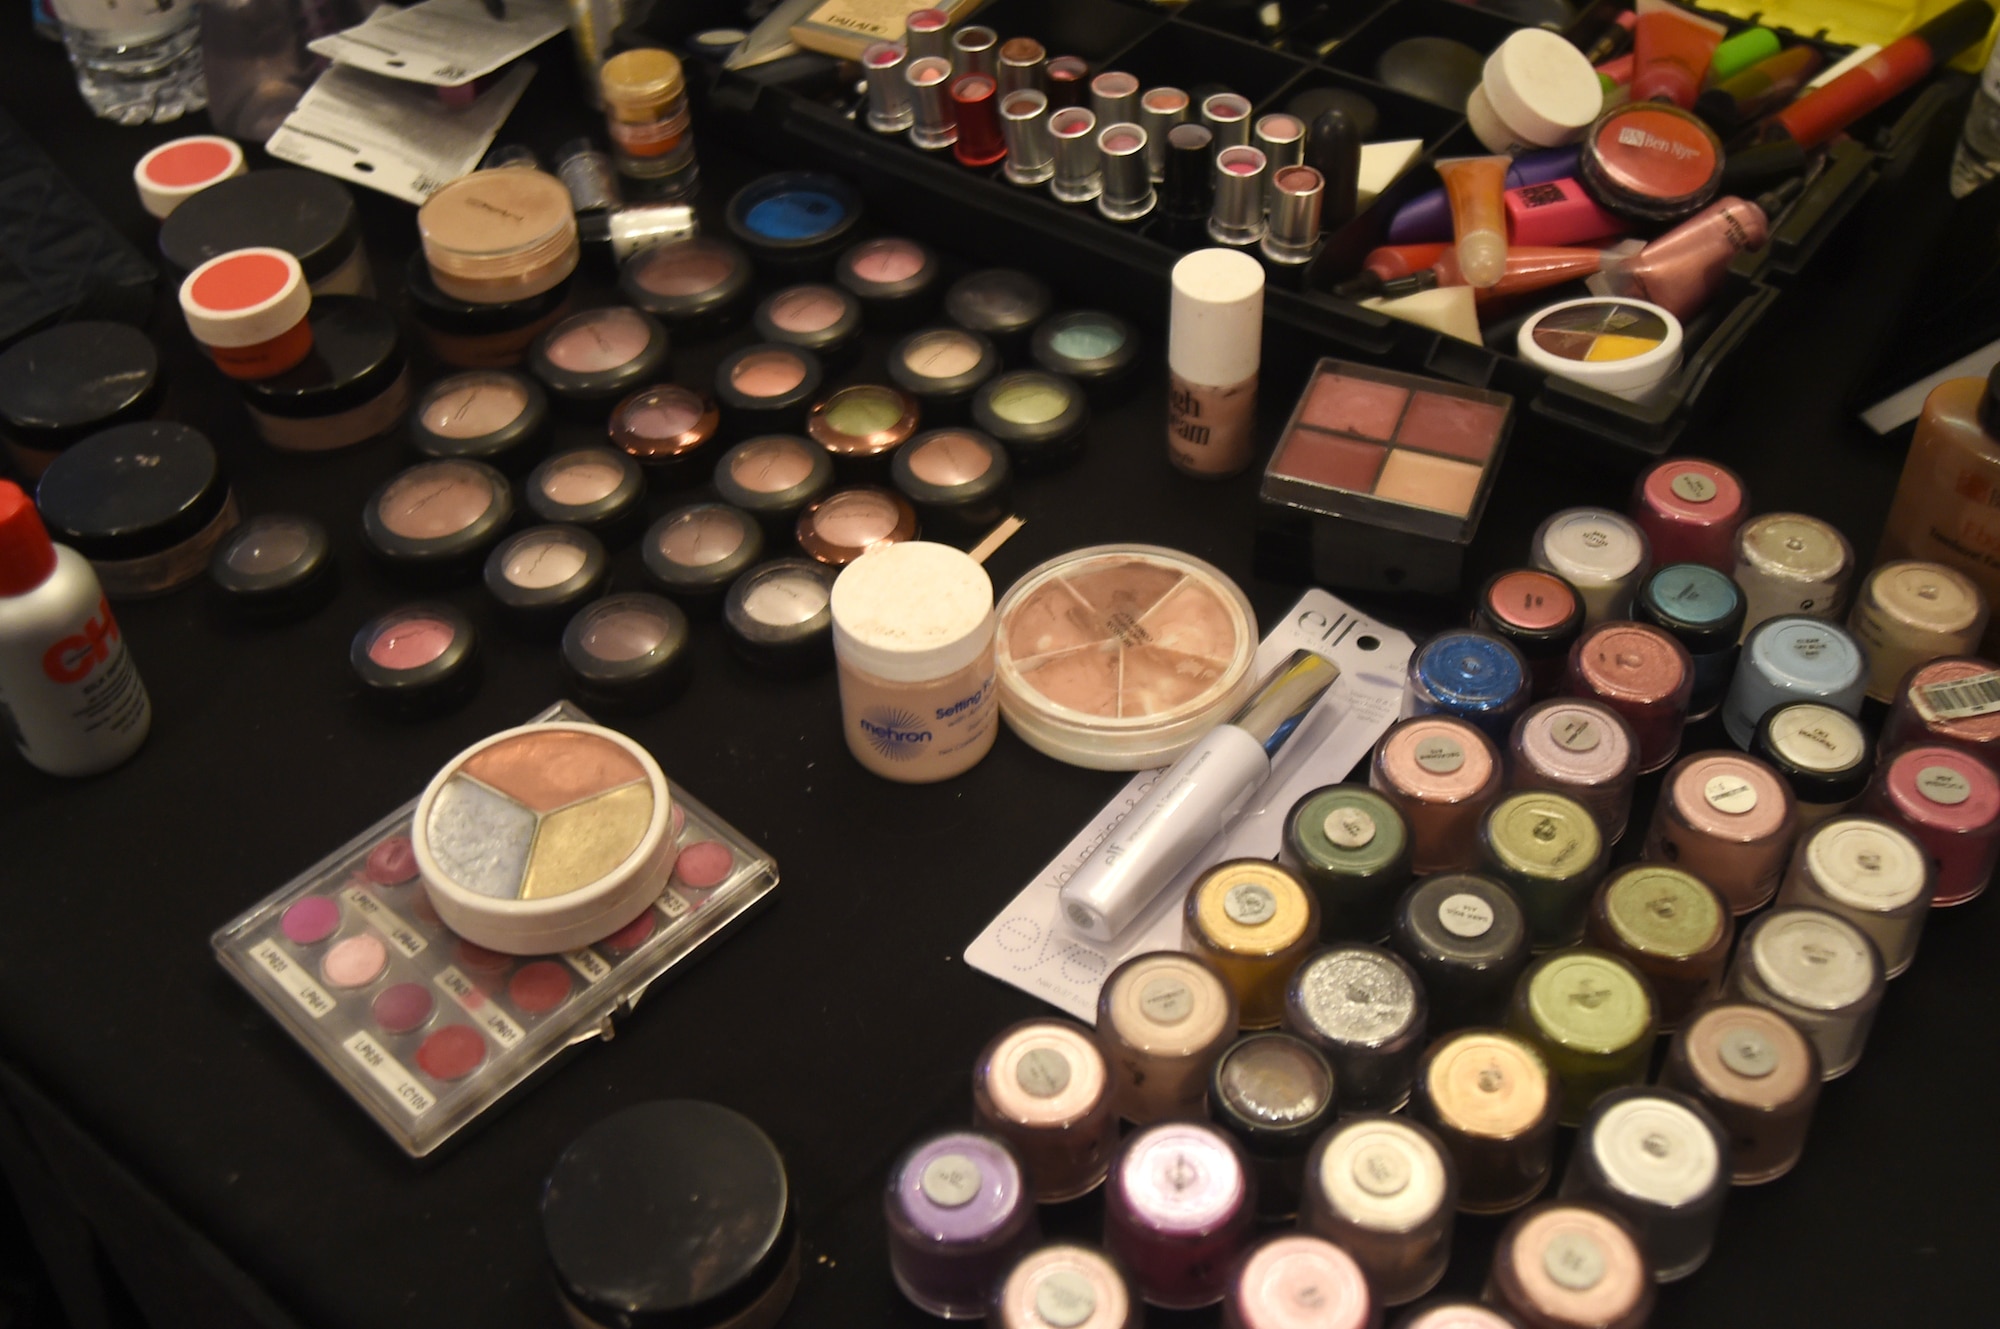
[(427, 1030), (1379, 479)]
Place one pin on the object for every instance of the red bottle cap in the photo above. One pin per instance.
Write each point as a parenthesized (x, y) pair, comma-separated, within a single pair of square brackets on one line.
[(27, 555)]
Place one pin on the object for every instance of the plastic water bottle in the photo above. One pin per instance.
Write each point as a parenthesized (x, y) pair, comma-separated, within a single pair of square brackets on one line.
[(1978, 156), (135, 60)]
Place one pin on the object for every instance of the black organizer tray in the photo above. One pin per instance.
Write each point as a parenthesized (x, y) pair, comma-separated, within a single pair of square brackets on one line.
[(1222, 42)]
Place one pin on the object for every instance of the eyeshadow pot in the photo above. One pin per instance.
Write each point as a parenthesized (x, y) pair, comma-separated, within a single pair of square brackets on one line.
[(696, 285), (1000, 304), (794, 220), (627, 653), (591, 360), (489, 415), (1038, 417), (666, 428), (773, 478), (766, 388), (544, 838), (438, 518), (1096, 349), (825, 320), (696, 552), (600, 489), (779, 617), (895, 279), (539, 577), (273, 568), (861, 424), (942, 368), (959, 481), (416, 660), (847, 523), (146, 503)]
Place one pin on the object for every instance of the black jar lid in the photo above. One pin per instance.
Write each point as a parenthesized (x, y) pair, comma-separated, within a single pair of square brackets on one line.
[(895, 278), (1693, 603), (959, 480), (1273, 1091), (1461, 921), (1096, 349), (541, 575), (942, 368), (774, 476), (274, 566), (670, 1215), (695, 552), (64, 383), (591, 359), (701, 280), (132, 490), (825, 320), (780, 616), (417, 659), (1536, 612), (308, 215), (356, 356), (447, 313), (438, 516), (628, 652), (1000, 303), (490, 415), (1039, 416), (766, 387), (794, 219), (595, 487), (1824, 754)]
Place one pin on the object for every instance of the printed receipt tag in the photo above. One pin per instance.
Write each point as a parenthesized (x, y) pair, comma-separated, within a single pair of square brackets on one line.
[(443, 43), (1028, 946), (399, 138)]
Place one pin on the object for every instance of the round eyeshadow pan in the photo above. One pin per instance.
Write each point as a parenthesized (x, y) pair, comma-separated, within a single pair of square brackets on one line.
[(694, 283), (942, 368), (597, 488), (416, 659), (1090, 346), (696, 551), (704, 865), (1038, 416), (627, 651), (452, 1053), (774, 476), (311, 920), (540, 986), (437, 519), (402, 1007), (825, 320), (355, 962), (274, 566), (848, 523), (489, 415), (392, 862), (794, 219), (592, 359)]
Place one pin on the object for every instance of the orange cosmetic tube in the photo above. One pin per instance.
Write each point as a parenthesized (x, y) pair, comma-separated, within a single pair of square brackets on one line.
[(1674, 49), (1475, 186)]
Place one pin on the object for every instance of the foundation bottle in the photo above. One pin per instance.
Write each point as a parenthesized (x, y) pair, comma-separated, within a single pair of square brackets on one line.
[(1947, 505), (1214, 343), (913, 635)]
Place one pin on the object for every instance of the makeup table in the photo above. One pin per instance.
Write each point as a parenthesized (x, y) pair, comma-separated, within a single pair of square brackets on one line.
[(162, 1134)]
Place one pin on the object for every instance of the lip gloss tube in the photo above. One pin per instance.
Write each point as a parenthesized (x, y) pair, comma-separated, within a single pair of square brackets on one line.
[(1559, 212), (1160, 109), (973, 51), (1024, 124), (1824, 112), (1764, 86), (979, 142), (890, 110), (1427, 217), (1114, 98), (1674, 48), (1023, 62), (1079, 173), (1478, 215), (1238, 215), (1227, 117), (1128, 186), (927, 32), (933, 125), (1179, 1211)]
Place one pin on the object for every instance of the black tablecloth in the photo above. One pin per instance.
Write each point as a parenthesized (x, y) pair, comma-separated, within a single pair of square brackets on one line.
[(171, 1145)]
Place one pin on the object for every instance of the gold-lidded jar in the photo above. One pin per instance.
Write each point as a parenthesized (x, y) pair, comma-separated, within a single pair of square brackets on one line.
[(1254, 921), (646, 115)]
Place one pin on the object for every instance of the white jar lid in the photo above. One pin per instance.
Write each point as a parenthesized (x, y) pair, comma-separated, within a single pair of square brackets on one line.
[(1623, 347), (180, 168), (912, 612), (1542, 88), (245, 297), (545, 838), (1487, 125)]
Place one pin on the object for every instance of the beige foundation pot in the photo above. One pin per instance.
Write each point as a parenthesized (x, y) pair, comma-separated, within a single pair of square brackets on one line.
[(913, 635)]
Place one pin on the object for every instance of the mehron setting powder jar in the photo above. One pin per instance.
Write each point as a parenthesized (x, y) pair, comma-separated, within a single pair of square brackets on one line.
[(913, 642)]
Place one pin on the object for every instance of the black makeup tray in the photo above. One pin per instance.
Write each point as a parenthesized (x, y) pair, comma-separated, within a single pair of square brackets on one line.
[(809, 112)]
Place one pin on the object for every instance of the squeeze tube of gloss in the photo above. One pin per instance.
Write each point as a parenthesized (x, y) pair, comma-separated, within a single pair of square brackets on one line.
[(1674, 48), (1478, 215)]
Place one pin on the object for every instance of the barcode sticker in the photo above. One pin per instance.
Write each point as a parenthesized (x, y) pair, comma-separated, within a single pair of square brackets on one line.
[(390, 1074), (1960, 699), (386, 921), (476, 1004), (292, 977)]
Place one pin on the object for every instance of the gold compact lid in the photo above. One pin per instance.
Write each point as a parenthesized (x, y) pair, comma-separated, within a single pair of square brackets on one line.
[(643, 79)]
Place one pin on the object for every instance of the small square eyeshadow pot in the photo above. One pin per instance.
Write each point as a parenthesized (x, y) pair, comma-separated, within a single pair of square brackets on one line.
[(1379, 479)]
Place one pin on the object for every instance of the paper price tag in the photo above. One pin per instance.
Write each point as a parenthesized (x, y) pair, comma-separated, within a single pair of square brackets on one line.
[(1029, 946)]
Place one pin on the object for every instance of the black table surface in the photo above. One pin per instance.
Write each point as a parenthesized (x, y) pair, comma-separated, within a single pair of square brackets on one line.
[(843, 1018)]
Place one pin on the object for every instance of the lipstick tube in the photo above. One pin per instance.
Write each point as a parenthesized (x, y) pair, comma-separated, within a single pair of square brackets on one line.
[(1114, 98), (1023, 61), (974, 50), (933, 124), (1024, 123), (890, 107), (1292, 238), (1160, 109), (1128, 186), (1237, 217), (1079, 173), (1068, 78), (1227, 116), (927, 32), (979, 141)]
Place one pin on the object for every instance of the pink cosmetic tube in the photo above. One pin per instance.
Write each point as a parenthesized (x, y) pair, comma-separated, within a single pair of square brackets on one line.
[(1674, 48)]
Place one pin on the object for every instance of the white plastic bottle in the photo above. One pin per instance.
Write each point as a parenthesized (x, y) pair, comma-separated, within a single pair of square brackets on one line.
[(1978, 156), (135, 62), (70, 696)]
